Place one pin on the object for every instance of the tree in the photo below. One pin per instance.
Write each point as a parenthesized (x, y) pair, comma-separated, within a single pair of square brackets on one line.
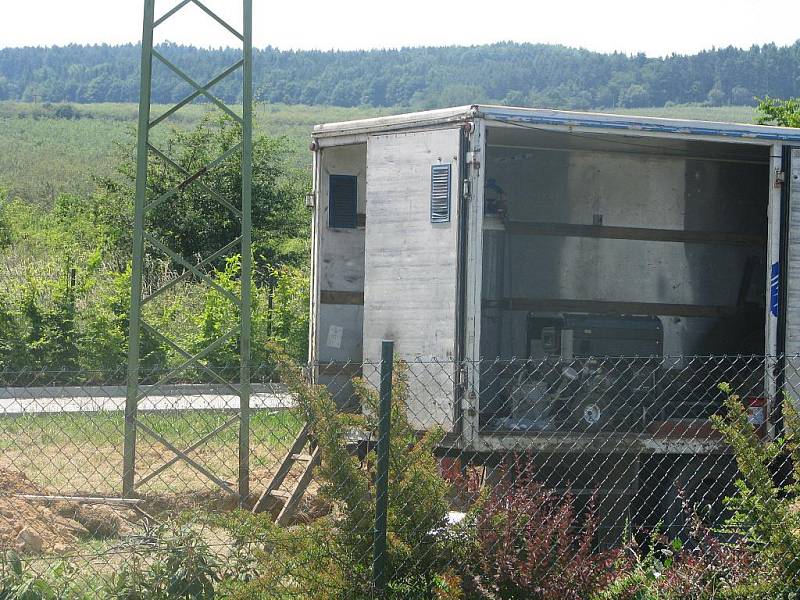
[(635, 95), (741, 95), (195, 223), (66, 305), (774, 111), (412, 76), (715, 97)]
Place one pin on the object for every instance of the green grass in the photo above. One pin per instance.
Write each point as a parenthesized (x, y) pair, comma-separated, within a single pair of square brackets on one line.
[(69, 453), (42, 156), (726, 114)]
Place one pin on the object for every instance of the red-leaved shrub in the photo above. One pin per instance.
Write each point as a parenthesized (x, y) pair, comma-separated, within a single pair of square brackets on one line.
[(532, 544)]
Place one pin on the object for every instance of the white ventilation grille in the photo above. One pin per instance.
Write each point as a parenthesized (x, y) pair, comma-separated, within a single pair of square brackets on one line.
[(440, 194)]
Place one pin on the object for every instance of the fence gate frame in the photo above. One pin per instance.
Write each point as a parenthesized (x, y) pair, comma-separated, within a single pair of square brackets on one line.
[(135, 391)]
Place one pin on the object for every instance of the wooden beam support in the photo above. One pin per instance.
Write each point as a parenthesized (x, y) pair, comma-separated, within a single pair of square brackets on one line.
[(644, 234), (335, 297), (350, 369), (614, 307)]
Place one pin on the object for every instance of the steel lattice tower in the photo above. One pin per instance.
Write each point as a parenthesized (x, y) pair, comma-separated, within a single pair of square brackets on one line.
[(190, 267)]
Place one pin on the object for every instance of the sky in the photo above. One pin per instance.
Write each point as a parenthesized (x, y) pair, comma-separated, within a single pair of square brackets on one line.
[(613, 25)]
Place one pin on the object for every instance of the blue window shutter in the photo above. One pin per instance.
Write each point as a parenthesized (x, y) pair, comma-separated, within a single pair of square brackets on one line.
[(343, 201), (440, 193)]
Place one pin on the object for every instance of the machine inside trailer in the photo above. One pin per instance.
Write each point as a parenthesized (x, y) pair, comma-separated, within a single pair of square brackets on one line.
[(609, 261)]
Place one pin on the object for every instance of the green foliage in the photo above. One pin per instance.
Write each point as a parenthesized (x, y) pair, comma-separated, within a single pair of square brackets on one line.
[(302, 562), (195, 221), (11, 344), (18, 583), (765, 512), (702, 568), (774, 111), (286, 322), (5, 229), (181, 566), (549, 75), (65, 289), (338, 548), (219, 315)]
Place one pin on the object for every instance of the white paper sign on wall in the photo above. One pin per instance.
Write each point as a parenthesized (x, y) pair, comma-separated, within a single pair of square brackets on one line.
[(335, 336)]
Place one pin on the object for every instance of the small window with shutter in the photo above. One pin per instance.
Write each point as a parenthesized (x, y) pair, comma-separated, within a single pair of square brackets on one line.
[(343, 201), (440, 194)]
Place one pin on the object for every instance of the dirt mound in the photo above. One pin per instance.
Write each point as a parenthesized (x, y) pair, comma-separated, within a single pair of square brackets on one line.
[(13, 482), (33, 527)]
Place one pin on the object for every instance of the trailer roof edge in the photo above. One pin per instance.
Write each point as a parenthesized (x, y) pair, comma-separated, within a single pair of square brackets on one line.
[(568, 119)]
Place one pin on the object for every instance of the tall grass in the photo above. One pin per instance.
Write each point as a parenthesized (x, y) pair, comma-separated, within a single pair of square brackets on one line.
[(42, 156)]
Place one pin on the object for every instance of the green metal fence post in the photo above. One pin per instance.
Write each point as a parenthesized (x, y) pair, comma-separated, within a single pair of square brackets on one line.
[(131, 399), (379, 574), (247, 255)]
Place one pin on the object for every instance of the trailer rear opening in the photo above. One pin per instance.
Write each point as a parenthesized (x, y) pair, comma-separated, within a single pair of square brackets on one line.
[(598, 245)]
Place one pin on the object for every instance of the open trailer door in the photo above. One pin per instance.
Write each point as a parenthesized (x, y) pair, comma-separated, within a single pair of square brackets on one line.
[(788, 338), (412, 265)]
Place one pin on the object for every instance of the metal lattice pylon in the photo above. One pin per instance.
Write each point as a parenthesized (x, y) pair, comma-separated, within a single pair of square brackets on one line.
[(135, 391)]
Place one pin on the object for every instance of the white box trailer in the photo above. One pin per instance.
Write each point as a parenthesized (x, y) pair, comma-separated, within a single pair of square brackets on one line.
[(481, 232), (522, 259)]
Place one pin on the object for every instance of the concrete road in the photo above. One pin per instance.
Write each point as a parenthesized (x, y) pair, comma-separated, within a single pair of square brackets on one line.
[(93, 399)]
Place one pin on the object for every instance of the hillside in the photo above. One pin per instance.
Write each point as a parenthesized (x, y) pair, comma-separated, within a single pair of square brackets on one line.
[(518, 74)]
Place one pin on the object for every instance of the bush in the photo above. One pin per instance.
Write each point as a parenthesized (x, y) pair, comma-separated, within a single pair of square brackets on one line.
[(529, 543), (49, 321), (336, 551), (286, 323), (16, 583), (700, 569), (773, 111), (179, 566), (764, 512)]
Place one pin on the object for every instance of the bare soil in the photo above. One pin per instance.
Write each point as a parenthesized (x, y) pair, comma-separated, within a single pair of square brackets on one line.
[(35, 527)]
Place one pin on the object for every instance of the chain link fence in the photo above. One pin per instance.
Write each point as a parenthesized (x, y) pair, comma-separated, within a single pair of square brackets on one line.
[(584, 478)]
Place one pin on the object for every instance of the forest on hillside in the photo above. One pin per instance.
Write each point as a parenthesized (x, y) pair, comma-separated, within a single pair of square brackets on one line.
[(510, 73)]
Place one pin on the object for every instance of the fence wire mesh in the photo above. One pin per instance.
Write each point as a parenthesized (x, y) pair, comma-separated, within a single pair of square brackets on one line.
[(600, 477)]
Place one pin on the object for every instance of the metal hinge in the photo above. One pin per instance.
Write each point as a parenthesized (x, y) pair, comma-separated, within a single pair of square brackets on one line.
[(780, 178), (467, 189), (461, 375), (474, 159)]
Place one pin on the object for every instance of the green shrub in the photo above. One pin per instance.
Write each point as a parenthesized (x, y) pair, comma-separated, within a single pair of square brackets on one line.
[(180, 565), (11, 336), (703, 568), (58, 583), (286, 323), (50, 311), (332, 557), (764, 512), (48, 323), (774, 111)]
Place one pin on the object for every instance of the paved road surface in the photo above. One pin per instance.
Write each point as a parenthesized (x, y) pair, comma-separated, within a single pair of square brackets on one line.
[(92, 399)]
